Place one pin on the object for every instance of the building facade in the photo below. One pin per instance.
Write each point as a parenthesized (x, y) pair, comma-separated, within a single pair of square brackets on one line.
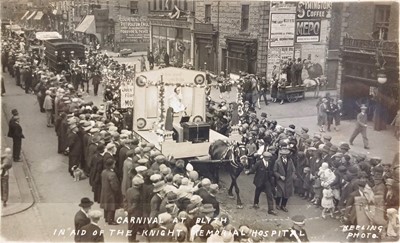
[(368, 67)]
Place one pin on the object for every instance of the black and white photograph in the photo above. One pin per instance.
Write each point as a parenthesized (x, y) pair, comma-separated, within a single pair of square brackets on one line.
[(200, 121)]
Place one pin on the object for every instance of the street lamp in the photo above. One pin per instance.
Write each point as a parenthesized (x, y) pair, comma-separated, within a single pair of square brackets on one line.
[(65, 18), (379, 121)]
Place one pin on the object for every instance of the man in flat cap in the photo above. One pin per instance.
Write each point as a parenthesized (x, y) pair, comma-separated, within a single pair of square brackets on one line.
[(92, 231), (361, 127), (134, 205), (297, 232), (264, 180)]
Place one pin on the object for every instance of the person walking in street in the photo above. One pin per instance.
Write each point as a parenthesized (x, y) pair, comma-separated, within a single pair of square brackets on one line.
[(110, 189), (264, 180), (284, 170), (263, 88), (142, 64), (93, 233), (48, 107), (15, 132), (6, 164), (96, 80), (322, 114), (150, 59), (361, 127), (81, 217)]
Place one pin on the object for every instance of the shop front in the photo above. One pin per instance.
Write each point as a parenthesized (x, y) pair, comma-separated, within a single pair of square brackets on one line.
[(370, 76), (174, 37), (206, 47), (241, 55)]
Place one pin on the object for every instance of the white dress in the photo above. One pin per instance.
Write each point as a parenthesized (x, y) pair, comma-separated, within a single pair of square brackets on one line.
[(327, 199)]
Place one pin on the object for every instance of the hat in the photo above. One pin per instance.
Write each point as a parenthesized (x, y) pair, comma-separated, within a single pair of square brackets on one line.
[(325, 149), (165, 170), (85, 202), (267, 155), (14, 112), (284, 151), (189, 167), (158, 186), (361, 183), (363, 107), (109, 146), (143, 144), (207, 208), (159, 158), (327, 137), (151, 145), (143, 161), (137, 180), (155, 177), (264, 114), (196, 199), (172, 197), (298, 219), (95, 214), (146, 149), (192, 208), (164, 218), (317, 135), (140, 168), (205, 182), (344, 146), (312, 149)]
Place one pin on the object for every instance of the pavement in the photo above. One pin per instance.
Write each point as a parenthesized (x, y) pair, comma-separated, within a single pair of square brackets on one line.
[(57, 195)]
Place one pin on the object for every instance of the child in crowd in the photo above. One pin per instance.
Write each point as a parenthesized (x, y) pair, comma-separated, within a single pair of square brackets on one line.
[(327, 201)]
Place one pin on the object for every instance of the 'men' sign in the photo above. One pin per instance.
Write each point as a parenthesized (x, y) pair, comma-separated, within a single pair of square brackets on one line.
[(127, 96), (308, 31)]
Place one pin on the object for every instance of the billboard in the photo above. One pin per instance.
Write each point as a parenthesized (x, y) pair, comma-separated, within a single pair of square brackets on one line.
[(314, 10), (134, 29), (282, 29), (308, 30)]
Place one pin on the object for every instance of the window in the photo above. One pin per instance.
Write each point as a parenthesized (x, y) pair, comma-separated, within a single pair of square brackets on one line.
[(154, 4), (185, 5), (207, 14), (245, 17), (134, 7), (160, 4), (381, 25)]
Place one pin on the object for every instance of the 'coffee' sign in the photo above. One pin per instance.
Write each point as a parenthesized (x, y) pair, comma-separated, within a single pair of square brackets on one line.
[(308, 31), (314, 10)]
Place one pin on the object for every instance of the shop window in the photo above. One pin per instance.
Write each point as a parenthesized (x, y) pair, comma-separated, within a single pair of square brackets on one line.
[(245, 17), (154, 4), (134, 7), (207, 14), (381, 24), (185, 5)]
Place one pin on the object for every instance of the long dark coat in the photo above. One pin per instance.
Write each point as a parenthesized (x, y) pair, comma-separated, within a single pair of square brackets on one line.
[(95, 175), (91, 151), (110, 188), (284, 188)]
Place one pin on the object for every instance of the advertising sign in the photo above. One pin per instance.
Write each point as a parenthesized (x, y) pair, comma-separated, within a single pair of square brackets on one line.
[(282, 29), (134, 29), (308, 31), (275, 55), (314, 10), (127, 96)]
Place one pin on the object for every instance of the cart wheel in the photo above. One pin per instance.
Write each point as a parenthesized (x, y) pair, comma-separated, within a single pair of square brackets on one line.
[(292, 98)]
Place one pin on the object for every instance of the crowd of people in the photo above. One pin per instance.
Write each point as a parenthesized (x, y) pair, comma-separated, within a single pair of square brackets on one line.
[(130, 175)]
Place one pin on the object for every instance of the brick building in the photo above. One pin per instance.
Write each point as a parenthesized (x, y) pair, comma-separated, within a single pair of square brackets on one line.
[(240, 37), (368, 67)]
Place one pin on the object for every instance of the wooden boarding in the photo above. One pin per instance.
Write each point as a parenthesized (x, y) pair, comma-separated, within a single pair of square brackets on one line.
[(183, 149)]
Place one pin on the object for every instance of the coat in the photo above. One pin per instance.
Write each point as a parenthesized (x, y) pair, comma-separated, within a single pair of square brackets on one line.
[(264, 175), (81, 219), (92, 234), (110, 187), (15, 130), (121, 158), (75, 145), (134, 202), (126, 179), (351, 212), (284, 188), (91, 151), (95, 175), (155, 204), (48, 103)]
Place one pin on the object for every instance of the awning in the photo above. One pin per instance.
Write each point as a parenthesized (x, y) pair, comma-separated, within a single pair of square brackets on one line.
[(88, 25), (38, 16), (25, 15), (30, 16), (48, 35)]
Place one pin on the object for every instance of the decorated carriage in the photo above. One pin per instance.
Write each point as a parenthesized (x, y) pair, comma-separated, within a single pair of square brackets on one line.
[(187, 135)]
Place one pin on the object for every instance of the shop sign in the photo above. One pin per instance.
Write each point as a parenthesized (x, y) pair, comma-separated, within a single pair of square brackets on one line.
[(308, 31), (314, 10), (170, 23), (127, 96), (282, 29), (134, 29)]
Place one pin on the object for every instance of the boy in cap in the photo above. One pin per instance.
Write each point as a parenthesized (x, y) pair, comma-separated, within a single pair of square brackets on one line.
[(361, 127), (297, 232)]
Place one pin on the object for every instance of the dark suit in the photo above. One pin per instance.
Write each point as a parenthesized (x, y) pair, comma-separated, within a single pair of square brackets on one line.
[(15, 132), (135, 208), (75, 150), (95, 175), (110, 190), (93, 234), (80, 220), (264, 181)]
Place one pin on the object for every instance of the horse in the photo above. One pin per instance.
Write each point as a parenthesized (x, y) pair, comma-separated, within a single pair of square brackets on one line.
[(229, 152), (315, 84)]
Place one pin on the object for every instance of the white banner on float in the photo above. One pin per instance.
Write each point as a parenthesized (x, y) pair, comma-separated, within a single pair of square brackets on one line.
[(127, 96)]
